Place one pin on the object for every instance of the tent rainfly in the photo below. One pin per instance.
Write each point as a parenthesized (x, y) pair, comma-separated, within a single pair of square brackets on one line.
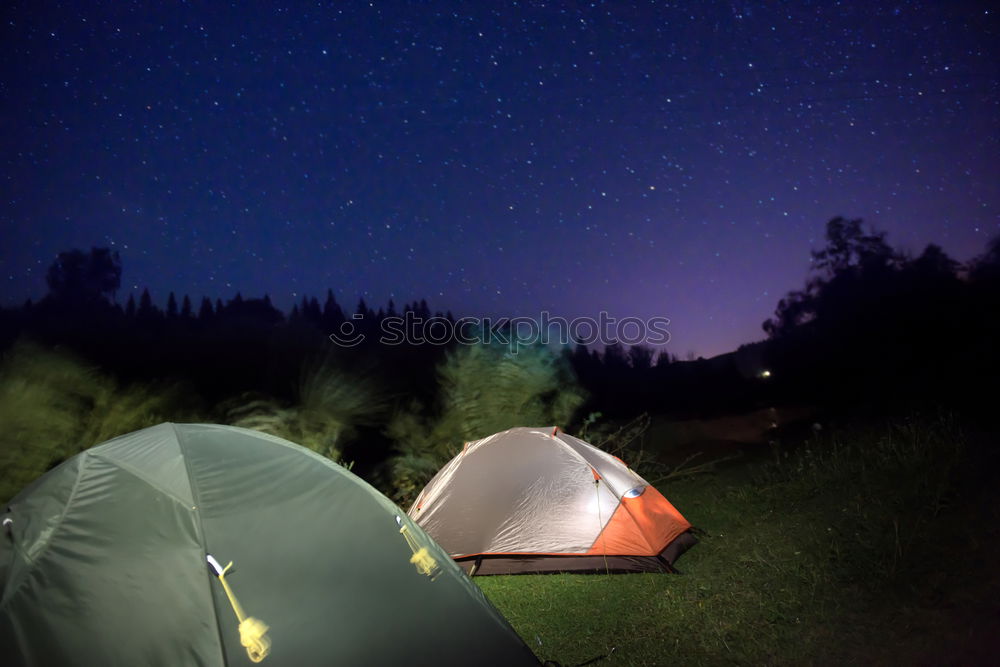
[(186, 544), (538, 500)]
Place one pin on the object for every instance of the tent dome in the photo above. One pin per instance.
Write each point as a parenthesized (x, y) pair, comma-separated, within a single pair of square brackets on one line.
[(120, 556), (538, 500)]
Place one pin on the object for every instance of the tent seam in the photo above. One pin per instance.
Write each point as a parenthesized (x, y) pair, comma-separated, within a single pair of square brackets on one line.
[(604, 526), (196, 498), (31, 560), (615, 493), (577, 455), (135, 473), (69, 501)]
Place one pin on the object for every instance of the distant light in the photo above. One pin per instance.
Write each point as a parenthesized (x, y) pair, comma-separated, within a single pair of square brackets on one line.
[(765, 373)]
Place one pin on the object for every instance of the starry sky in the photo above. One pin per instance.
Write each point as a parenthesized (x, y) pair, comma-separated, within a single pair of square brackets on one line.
[(645, 159)]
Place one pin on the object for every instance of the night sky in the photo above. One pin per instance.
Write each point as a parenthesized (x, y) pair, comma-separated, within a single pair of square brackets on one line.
[(647, 159)]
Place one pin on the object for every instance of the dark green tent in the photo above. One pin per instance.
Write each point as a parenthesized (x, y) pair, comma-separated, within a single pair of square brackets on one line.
[(114, 558)]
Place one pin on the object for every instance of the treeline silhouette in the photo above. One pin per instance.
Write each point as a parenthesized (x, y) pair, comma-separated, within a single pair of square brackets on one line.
[(872, 328), (875, 325), (220, 347), (870, 325)]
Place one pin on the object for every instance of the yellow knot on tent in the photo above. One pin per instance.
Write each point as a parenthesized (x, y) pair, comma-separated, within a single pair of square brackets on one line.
[(253, 631), (424, 561), (253, 636), (421, 558)]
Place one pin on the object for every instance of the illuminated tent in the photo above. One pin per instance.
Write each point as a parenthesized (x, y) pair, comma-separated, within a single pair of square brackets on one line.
[(537, 500), (120, 556)]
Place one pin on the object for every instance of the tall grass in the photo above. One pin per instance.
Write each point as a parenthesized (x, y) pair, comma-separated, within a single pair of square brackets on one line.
[(895, 483), (488, 389), (329, 406), (483, 389), (628, 440), (54, 405)]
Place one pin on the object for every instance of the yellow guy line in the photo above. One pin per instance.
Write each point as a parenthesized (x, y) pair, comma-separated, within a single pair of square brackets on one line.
[(253, 631)]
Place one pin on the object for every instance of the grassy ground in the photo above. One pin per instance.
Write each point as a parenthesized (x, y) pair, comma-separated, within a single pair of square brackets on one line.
[(871, 547)]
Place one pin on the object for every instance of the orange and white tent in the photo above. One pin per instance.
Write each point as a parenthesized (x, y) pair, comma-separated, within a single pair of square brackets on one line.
[(539, 500)]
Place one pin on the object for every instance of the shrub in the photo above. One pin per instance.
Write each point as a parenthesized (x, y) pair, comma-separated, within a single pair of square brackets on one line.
[(54, 405), (329, 406), (482, 389)]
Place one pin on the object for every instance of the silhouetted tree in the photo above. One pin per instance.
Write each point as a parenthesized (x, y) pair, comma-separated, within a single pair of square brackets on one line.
[(311, 311), (147, 312), (81, 277), (363, 310), (985, 269), (333, 316), (205, 312), (640, 357), (847, 246), (664, 359), (933, 264), (850, 259), (422, 310)]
